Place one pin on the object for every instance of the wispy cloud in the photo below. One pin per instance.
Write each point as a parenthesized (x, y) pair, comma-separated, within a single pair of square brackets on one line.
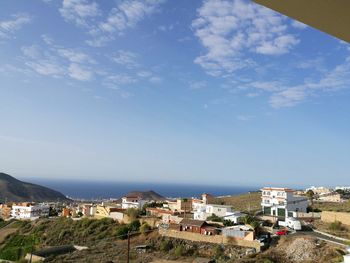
[(126, 58), (198, 85), (57, 61), (127, 14), (77, 72), (331, 81), (230, 31), (15, 23), (80, 12), (245, 117)]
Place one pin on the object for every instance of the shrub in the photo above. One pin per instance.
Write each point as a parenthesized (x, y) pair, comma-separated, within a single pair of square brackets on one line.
[(336, 226), (218, 251), (179, 250), (215, 218), (144, 228), (134, 225), (165, 246), (122, 232)]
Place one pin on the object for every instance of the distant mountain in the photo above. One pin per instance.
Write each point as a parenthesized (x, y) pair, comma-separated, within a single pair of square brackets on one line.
[(13, 190), (147, 195)]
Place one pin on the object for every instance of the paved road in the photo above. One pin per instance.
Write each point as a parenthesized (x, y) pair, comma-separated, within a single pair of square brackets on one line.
[(321, 237)]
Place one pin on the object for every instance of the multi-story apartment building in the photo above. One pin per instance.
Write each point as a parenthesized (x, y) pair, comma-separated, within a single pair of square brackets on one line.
[(282, 202), (29, 211)]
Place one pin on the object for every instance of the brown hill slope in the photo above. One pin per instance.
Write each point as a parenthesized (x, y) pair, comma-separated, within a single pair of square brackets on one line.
[(13, 190)]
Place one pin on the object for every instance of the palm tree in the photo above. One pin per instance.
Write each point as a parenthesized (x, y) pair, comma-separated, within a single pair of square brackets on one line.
[(311, 195)]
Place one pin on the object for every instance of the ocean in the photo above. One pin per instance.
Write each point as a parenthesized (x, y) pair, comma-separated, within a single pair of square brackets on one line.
[(90, 190)]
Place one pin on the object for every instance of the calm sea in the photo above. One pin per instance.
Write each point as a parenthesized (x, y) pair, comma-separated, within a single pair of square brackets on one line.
[(104, 190)]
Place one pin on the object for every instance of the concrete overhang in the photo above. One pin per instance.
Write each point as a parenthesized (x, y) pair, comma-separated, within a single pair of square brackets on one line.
[(329, 16)]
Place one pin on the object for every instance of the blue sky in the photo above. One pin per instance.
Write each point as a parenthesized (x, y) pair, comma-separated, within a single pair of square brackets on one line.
[(211, 92)]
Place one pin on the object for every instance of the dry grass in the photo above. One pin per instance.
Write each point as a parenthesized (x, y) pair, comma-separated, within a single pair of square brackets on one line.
[(242, 202), (344, 232), (338, 207)]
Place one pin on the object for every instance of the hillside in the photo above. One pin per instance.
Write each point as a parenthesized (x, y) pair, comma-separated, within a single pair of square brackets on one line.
[(13, 190), (147, 195)]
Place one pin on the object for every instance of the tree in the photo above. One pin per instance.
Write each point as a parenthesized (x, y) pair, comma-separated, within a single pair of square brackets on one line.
[(132, 213), (134, 225)]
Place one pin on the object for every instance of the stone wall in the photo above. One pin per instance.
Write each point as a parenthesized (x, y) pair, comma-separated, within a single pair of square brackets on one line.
[(330, 217), (216, 239)]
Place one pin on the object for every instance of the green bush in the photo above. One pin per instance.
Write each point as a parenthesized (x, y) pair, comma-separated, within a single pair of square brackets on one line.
[(165, 246), (134, 225), (122, 232), (179, 250)]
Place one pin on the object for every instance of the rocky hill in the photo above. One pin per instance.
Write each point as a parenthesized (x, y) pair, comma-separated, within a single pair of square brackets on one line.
[(13, 190), (147, 195)]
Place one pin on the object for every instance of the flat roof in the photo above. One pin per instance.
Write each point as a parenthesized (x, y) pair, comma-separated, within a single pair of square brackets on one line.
[(329, 16), (277, 189)]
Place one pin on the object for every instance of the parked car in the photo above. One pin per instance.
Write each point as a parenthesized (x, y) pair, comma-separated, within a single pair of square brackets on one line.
[(282, 232), (265, 238)]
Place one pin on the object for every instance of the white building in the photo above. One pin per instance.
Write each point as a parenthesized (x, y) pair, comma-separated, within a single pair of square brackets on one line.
[(319, 190), (30, 211), (282, 202), (205, 210), (133, 202), (235, 217)]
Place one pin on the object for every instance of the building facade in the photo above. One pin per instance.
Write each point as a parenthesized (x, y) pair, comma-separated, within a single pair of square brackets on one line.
[(282, 202), (29, 211)]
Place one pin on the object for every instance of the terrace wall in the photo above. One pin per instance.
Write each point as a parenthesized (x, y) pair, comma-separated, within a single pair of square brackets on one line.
[(216, 239), (330, 217)]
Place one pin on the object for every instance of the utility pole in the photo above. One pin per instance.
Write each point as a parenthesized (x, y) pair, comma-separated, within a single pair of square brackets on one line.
[(31, 251), (128, 259)]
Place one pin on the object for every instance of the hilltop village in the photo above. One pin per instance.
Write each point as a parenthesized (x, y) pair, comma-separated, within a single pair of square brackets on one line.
[(252, 223)]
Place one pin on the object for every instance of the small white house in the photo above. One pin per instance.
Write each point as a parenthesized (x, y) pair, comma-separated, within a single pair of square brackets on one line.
[(235, 217), (133, 202), (30, 211), (205, 210)]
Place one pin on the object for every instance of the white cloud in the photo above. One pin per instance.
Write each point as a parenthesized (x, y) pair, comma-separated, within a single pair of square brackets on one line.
[(46, 67), (75, 56), (127, 14), (331, 81), (117, 80), (298, 24), (231, 29), (76, 71), (126, 58), (198, 85), (81, 12), (144, 74), (288, 97), (10, 26), (245, 117), (57, 61), (155, 79)]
